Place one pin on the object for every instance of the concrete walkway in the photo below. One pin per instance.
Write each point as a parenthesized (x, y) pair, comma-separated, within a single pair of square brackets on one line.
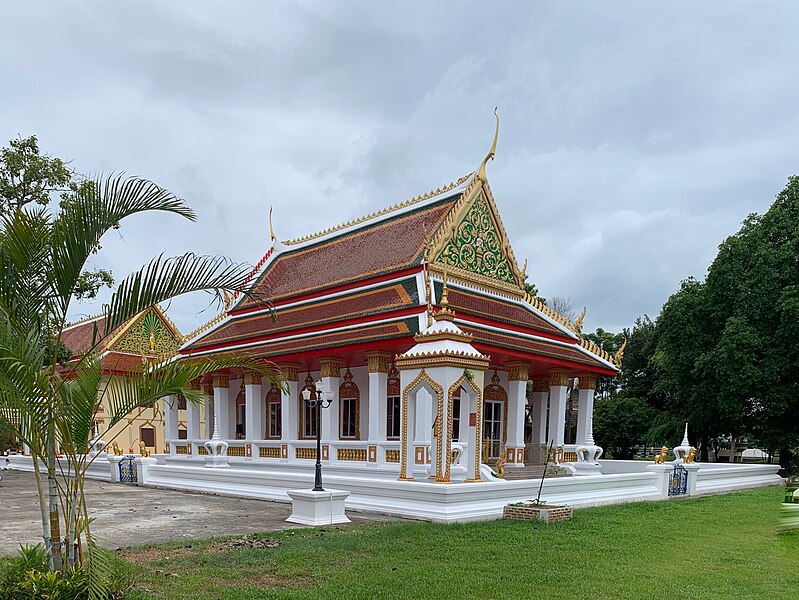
[(131, 515)]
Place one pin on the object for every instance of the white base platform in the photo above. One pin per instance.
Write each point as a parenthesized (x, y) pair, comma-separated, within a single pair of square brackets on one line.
[(317, 508)]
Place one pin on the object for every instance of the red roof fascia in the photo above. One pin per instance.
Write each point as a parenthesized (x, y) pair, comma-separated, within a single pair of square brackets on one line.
[(489, 349), (402, 312), (412, 270)]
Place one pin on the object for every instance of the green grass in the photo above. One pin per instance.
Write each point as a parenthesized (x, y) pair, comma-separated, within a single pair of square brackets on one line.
[(714, 547)]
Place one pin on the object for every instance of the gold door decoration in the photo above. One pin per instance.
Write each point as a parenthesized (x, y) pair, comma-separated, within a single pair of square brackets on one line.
[(477, 246), (148, 336), (478, 429), (421, 380), (494, 391), (273, 396), (348, 390)]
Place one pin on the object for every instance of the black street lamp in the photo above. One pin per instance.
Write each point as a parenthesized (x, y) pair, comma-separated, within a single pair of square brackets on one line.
[(321, 400)]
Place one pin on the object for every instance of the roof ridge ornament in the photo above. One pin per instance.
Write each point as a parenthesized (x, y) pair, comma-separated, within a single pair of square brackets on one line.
[(446, 313), (271, 229), (481, 172)]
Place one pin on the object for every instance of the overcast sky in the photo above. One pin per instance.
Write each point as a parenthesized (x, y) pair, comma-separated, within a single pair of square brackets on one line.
[(634, 138)]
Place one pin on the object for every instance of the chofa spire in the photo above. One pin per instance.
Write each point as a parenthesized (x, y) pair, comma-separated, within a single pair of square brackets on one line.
[(481, 172)]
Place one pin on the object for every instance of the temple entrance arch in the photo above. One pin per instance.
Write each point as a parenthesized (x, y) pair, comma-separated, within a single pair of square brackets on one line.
[(471, 400), (412, 452), (495, 425)]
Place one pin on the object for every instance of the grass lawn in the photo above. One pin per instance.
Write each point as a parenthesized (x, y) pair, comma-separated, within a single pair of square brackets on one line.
[(713, 547)]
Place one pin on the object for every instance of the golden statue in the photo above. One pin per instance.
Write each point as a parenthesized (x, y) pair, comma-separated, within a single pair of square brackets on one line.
[(499, 467), (116, 449), (689, 458), (145, 453), (660, 459)]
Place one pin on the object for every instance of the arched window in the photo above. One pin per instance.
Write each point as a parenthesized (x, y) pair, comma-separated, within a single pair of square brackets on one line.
[(274, 428), (147, 435), (241, 414), (349, 397), (308, 424), (456, 415), (393, 405), (495, 416)]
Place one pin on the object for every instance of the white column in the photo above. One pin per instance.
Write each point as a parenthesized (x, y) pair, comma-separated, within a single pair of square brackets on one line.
[(517, 400), (171, 417), (193, 420), (330, 369), (222, 406), (289, 404), (558, 380), (208, 408), (585, 408), (254, 406), (376, 401), (540, 400)]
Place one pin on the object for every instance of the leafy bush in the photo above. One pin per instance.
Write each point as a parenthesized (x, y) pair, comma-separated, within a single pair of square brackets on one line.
[(27, 577)]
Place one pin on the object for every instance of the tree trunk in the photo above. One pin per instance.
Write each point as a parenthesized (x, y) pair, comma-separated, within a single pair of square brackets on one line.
[(704, 456), (55, 526), (43, 509), (786, 461)]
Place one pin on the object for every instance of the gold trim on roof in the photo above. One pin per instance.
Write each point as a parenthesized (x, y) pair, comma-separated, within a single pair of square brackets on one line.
[(83, 320), (203, 328), (378, 213)]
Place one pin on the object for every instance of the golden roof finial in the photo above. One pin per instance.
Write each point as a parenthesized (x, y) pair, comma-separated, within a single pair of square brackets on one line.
[(271, 229), (617, 358), (481, 173), (444, 298), (524, 269), (578, 324), (445, 313)]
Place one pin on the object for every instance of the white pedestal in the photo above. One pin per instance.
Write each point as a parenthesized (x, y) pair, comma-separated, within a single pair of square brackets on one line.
[(586, 468), (317, 508)]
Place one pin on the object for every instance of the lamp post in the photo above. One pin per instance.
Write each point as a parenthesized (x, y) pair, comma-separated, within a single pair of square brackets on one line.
[(321, 400)]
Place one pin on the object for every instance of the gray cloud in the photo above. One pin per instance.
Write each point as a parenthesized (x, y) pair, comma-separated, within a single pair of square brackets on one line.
[(634, 138)]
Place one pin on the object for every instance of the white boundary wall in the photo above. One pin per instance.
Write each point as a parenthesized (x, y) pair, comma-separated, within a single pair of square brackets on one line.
[(378, 490)]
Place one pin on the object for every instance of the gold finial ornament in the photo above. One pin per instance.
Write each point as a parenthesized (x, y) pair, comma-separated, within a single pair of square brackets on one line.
[(524, 270), (578, 324), (228, 299), (271, 229), (445, 313), (481, 172), (617, 358)]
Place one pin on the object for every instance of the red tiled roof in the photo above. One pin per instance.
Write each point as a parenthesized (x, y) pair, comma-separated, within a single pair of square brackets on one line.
[(497, 310), (80, 338), (388, 245), (363, 303)]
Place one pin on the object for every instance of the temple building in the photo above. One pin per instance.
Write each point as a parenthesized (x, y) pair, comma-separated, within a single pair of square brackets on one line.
[(417, 320), (147, 337)]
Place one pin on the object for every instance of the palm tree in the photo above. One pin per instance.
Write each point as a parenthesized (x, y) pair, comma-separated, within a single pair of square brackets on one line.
[(51, 407)]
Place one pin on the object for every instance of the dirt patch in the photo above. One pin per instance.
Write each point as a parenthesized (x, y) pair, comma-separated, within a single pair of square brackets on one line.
[(141, 556), (266, 581)]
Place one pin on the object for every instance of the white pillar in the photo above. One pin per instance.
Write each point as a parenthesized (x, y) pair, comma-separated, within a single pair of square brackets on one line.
[(558, 380), (585, 408), (378, 392), (254, 406), (222, 406), (289, 403), (330, 370), (208, 408), (171, 417), (193, 420), (539, 401), (517, 400)]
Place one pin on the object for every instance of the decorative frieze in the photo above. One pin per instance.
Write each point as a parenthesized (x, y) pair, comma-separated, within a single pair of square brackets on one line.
[(558, 377), (330, 367), (221, 380), (586, 381), (207, 388), (541, 384), (517, 371), (378, 361)]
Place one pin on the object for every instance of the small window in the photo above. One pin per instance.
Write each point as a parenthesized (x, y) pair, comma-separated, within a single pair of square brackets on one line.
[(456, 416), (182, 434), (349, 401), (393, 416), (348, 417), (308, 412), (274, 412), (147, 435)]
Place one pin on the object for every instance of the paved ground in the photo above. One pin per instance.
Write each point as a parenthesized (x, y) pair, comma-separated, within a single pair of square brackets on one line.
[(130, 515)]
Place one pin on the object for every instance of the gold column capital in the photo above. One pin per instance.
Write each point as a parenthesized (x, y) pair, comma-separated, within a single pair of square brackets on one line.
[(221, 380), (517, 371), (558, 377), (587, 381), (207, 388), (289, 371), (330, 367), (378, 361), (252, 378), (541, 384)]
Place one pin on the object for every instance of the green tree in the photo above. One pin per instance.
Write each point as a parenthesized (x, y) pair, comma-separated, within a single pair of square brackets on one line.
[(609, 342), (42, 258), (621, 424)]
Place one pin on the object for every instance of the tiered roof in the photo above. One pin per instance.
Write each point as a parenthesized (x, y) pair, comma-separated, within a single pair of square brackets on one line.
[(366, 285)]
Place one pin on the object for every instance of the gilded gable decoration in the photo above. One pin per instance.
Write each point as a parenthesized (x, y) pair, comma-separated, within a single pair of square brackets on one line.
[(149, 335)]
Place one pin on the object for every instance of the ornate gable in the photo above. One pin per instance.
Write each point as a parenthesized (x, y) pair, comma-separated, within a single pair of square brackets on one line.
[(149, 334), (474, 243)]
